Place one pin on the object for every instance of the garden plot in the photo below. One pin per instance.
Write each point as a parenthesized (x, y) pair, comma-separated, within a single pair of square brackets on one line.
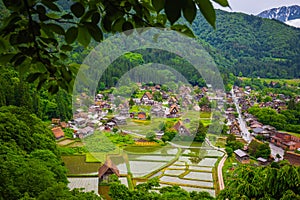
[(177, 167), (215, 153), (88, 184), (209, 162), (77, 165), (151, 150), (174, 172), (124, 180), (154, 158), (180, 163), (140, 168), (65, 142), (200, 168), (200, 176), (179, 181)]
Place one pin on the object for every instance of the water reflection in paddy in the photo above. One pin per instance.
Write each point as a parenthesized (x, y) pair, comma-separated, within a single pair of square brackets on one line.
[(183, 181), (200, 176)]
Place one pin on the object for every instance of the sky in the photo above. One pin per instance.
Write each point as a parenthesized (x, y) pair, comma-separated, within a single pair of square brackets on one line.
[(257, 6)]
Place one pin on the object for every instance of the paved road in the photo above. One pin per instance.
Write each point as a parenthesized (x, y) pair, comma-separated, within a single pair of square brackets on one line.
[(245, 133), (220, 166), (220, 173)]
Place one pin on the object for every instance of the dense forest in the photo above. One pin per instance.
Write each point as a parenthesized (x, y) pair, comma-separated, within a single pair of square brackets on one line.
[(254, 46), (259, 50)]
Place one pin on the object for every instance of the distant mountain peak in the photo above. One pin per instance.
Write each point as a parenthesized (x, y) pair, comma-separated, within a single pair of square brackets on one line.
[(284, 13)]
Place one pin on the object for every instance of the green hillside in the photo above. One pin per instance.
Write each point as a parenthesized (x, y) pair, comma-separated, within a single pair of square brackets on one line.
[(252, 45)]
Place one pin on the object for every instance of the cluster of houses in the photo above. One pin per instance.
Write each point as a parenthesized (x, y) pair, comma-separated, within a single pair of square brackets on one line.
[(283, 140), (95, 116)]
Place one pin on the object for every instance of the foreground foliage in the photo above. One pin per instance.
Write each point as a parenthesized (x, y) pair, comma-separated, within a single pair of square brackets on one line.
[(146, 191), (278, 181), (30, 162)]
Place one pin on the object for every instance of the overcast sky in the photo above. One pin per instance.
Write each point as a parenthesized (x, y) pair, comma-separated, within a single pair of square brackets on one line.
[(257, 6)]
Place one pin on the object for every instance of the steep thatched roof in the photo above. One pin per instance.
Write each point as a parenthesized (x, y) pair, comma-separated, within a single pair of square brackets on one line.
[(108, 165)]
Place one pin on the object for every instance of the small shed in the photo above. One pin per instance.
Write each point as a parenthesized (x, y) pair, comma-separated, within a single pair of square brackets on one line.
[(58, 133), (107, 169), (242, 157), (262, 161), (142, 115)]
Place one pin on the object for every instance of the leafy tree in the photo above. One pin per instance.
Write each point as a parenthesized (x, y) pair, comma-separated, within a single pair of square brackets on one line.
[(169, 134), (150, 136), (38, 42), (229, 151), (251, 182), (26, 130), (114, 130), (200, 133), (259, 149), (131, 102), (157, 96)]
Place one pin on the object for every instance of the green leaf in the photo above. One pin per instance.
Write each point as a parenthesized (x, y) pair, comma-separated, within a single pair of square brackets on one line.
[(84, 37), (66, 48), (162, 19), (106, 23), (223, 3), (95, 18), (53, 89), (66, 74), (19, 61), (51, 5), (5, 58), (158, 5), (67, 16), (173, 10), (56, 28), (117, 26), (32, 77), (189, 11), (77, 9), (183, 29), (41, 82), (207, 11), (71, 35), (3, 44), (41, 9), (63, 56), (53, 15), (94, 31), (127, 26)]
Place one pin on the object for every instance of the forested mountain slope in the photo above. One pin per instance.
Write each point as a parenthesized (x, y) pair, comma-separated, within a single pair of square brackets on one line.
[(254, 46)]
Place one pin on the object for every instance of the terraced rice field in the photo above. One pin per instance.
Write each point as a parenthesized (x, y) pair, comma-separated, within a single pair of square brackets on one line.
[(192, 173), (89, 184)]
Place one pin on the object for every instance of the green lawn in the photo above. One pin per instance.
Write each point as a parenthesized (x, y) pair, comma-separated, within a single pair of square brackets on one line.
[(193, 115), (93, 157), (143, 128), (268, 80)]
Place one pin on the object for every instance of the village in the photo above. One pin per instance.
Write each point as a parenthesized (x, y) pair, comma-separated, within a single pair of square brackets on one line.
[(240, 121), (173, 161)]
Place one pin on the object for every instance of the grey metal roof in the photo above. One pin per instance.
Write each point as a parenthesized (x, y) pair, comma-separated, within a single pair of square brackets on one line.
[(240, 153)]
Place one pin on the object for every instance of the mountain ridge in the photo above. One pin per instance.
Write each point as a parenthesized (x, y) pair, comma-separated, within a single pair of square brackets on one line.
[(283, 14)]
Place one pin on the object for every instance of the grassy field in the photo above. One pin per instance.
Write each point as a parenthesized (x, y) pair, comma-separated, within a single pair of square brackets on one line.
[(193, 115), (268, 80)]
